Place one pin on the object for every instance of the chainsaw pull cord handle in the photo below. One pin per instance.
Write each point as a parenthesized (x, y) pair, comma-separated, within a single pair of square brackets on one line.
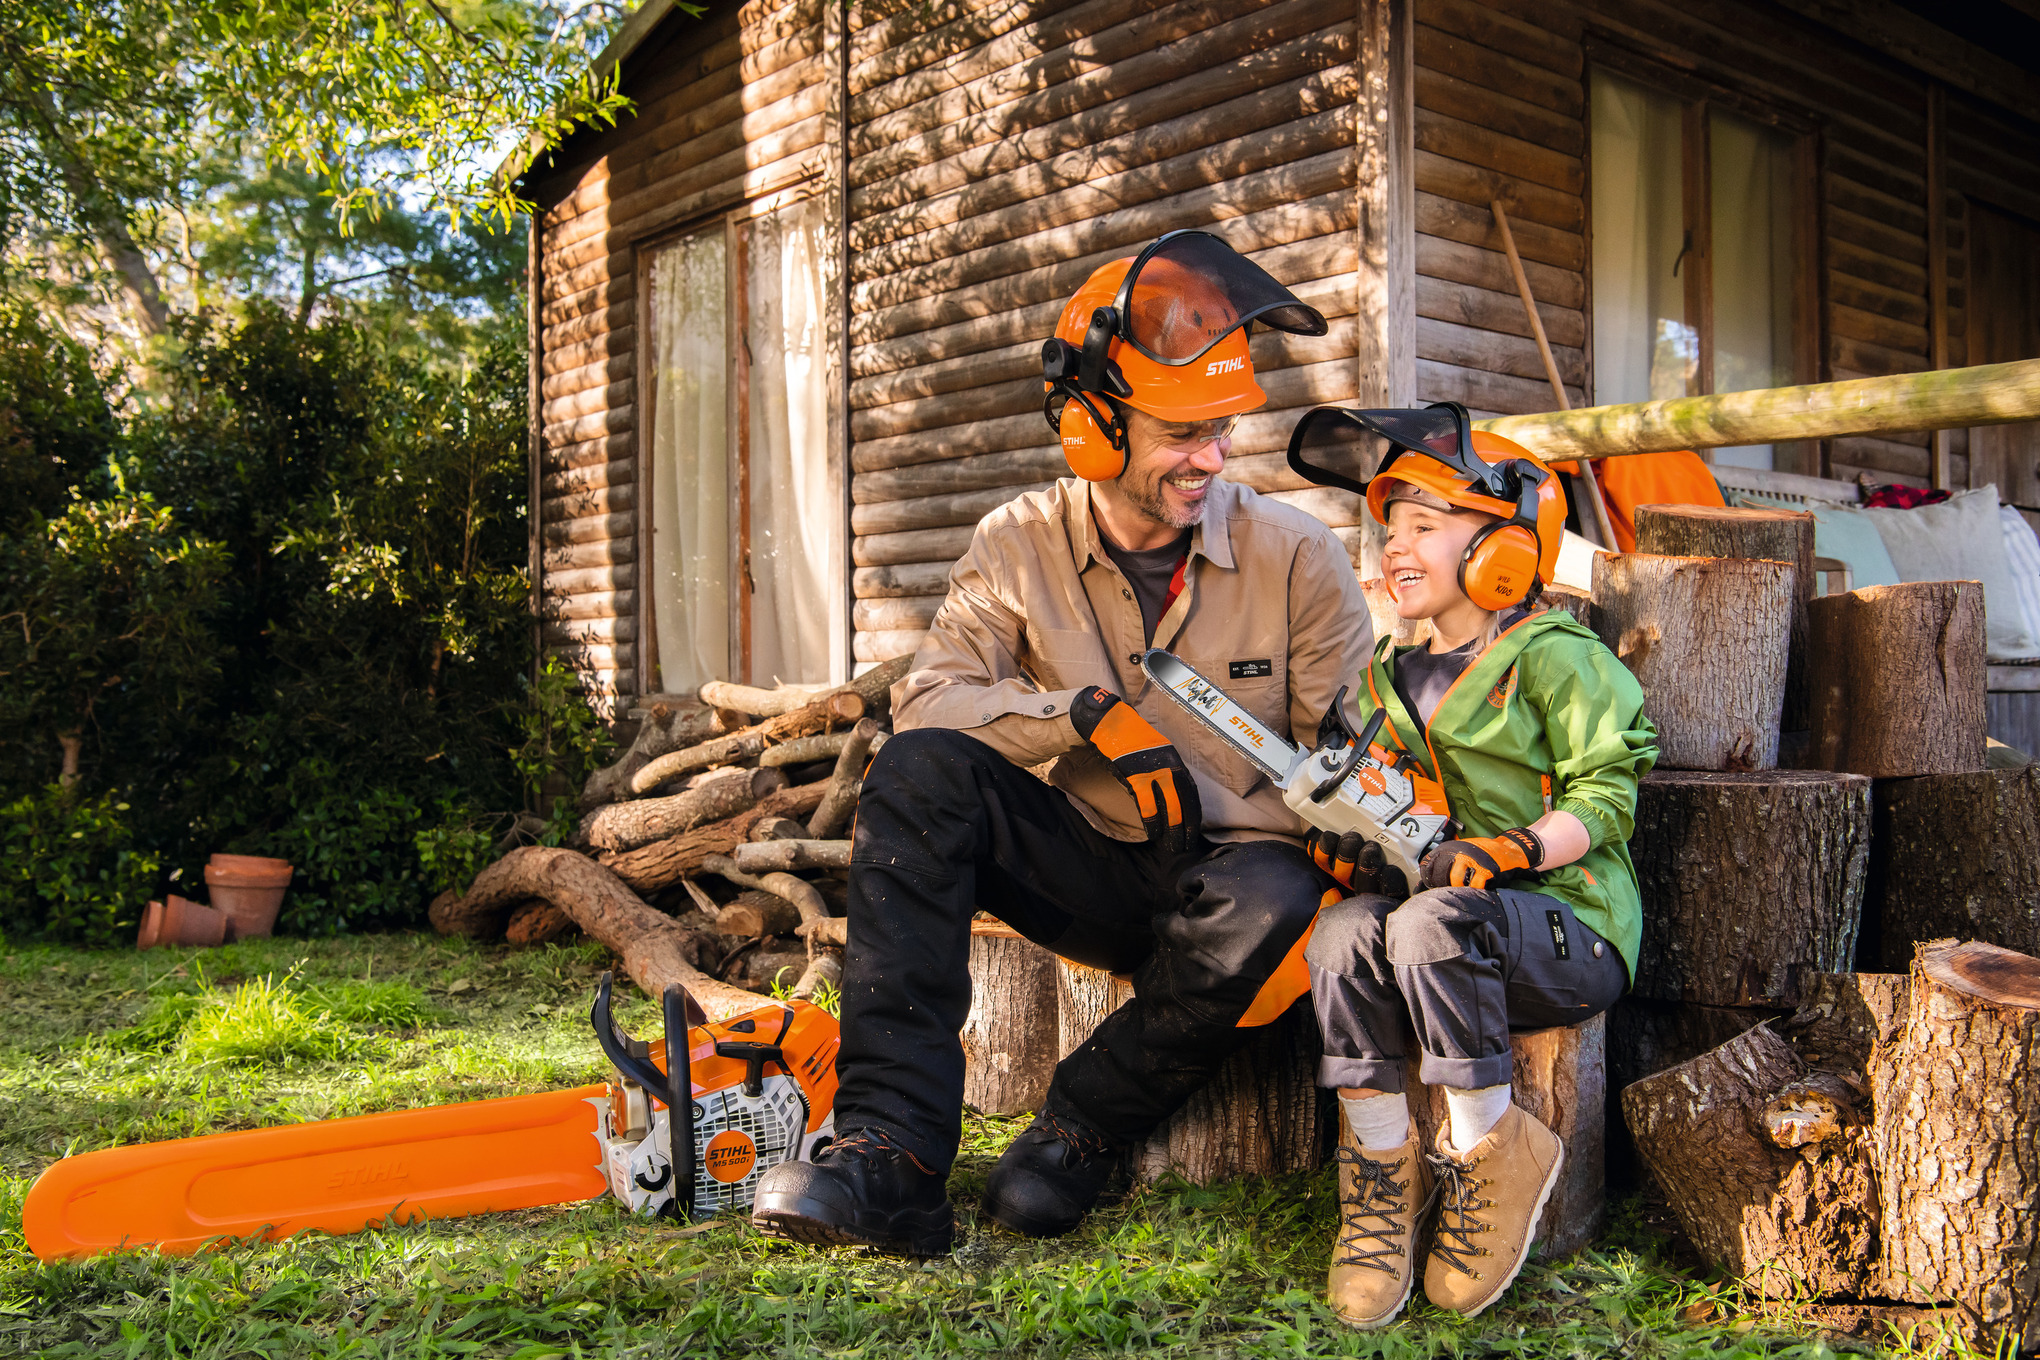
[(756, 1055), (679, 1088)]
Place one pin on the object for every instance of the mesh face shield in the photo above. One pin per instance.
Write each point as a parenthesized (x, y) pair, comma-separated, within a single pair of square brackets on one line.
[(1341, 447), (1189, 290)]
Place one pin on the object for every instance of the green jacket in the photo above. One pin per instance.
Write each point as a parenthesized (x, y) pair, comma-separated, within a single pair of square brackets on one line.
[(1546, 717)]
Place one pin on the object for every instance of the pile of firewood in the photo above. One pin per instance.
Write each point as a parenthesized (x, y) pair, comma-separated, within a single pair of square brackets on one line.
[(713, 853)]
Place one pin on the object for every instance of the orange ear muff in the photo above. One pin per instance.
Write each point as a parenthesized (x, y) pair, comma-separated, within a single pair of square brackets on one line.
[(1499, 567), (1096, 452)]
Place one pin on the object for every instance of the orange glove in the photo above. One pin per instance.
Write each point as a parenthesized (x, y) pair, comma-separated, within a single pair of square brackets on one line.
[(1353, 860), (1483, 861), (1147, 764)]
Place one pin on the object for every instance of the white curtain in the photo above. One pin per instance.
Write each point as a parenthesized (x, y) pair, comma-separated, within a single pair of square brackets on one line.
[(1750, 169), (1643, 348), (690, 487), (796, 512)]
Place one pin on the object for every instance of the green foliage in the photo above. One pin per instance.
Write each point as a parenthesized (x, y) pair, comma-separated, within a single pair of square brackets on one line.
[(563, 738), (57, 425), (70, 868)]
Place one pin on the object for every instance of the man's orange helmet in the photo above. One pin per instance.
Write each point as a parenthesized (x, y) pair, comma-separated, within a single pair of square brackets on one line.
[(1437, 449), (1165, 333)]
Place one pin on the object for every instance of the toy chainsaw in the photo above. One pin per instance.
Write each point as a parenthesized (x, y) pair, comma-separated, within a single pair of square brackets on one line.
[(762, 1087), (1343, 783)]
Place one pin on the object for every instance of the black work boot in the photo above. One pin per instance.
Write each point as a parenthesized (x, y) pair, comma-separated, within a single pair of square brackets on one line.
[(863, 1189), (1046, 1182)]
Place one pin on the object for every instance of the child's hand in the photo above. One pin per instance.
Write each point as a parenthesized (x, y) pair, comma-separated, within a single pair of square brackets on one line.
[(1483, 861), (1352, 859)]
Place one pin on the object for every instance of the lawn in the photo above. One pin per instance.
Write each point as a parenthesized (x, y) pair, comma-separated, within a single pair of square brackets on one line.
[(107, 1048)]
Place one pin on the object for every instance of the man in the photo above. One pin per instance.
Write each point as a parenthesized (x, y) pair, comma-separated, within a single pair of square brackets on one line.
[(1151, 848)]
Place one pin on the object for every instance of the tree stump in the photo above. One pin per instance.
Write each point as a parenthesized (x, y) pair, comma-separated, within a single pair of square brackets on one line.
[(1766, 1163), (1897, 677), (1262, 1114), (1708, 638), (1744, 531), (1958, 1135), (1084, 997), (1560, 1078), (1010, 1036), (1749, 882), (1956, 855)]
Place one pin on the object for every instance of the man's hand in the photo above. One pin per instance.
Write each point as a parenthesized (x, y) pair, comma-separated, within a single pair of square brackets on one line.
[(1147, 764), (1483, 861)]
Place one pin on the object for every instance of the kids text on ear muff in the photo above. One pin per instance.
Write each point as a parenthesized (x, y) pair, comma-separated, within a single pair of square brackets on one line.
[(1436, 448), (1165, 333)]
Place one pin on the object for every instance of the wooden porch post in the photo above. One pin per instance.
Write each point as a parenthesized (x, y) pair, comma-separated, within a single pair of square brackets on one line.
[(1384, 142)]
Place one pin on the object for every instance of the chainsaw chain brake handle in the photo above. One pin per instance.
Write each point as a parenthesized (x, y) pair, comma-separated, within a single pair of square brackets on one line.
[(756, 1055), (632, 1057), (1333, 732), (674, 1087)]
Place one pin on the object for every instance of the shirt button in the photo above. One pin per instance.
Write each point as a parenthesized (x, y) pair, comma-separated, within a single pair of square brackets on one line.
[(1597, 949), (1133, 658), (1048, 708), (1127, 593), (984, 717)]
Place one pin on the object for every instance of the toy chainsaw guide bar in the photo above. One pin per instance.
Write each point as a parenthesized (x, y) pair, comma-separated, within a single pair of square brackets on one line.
[(678, 1138), (1344, 783)]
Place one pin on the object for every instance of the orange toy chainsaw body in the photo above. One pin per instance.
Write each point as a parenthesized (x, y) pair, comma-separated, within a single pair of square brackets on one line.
[(485, 1156)]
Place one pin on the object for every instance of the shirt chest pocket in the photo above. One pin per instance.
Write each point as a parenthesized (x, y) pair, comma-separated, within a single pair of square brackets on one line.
[(1065, 658), (1264, 696)]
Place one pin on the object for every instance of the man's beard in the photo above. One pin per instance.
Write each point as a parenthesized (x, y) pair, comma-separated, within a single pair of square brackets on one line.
[(1147, 497)]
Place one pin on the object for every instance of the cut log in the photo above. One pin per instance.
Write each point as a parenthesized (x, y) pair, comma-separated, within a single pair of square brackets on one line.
[(825, 969), (656, 950), (803, 750), (1956, 855), (1958, 1136), (1845, 1019), (1010, 1035), (1084, 997), (836, 708), (757, 914), (760, 703), (1897, 676), (764, 856), (1745, 531), (668, 727), (779, 829), (1646, 1036), (537, 922), (841, 799), (1560, 1077), (663, 863), (626, 826), (1749, 882), (1708, 638), (1261, 1114), (1795, 1218), (807, 903)]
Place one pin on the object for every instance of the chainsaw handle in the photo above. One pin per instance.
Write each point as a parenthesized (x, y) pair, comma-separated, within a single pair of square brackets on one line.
[(631, 1057), (682, 1153)]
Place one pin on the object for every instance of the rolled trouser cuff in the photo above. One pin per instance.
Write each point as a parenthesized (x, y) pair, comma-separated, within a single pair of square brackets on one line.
[(1466, 1074), (1387, 1075)]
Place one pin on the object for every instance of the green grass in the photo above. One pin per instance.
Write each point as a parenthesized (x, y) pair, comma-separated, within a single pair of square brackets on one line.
[(109, 1048)]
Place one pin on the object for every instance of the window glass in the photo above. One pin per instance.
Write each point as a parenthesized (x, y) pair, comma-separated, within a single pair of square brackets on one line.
[(1643, 347), (690, 577), (1750, 179)]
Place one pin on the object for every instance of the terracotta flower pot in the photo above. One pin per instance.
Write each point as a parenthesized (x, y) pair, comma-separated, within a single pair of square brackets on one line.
[(250, 864), (251, 898), (178, 920)]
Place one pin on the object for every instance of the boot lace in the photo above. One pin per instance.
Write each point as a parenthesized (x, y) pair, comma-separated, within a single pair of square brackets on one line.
[(1457, 1193), (870, 1143), (1085, 1142), (1375, 1197)]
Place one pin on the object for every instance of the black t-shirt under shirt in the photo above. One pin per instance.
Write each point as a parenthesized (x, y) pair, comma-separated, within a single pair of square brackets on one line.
[(1150, 572), (1422, 676)]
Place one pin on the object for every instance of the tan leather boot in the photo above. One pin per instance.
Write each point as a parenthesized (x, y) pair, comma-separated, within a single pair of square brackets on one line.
[(1488, 1203), (1374, 1257)]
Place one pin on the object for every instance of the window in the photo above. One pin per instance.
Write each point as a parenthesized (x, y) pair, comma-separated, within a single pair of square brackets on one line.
[(1697, 217), (745, 520)]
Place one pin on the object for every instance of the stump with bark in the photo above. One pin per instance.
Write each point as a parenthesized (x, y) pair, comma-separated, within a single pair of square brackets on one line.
[(1744, 531), (1749, 882), (1011, 1036), (1261, 1114), (1084, 997), (1708, 639), (1897, 676), (1559, 1076), (1956, 855), (1958, 1135)]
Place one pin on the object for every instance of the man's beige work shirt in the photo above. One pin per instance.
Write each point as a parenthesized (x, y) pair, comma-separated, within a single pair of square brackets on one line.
[(1037, 612)]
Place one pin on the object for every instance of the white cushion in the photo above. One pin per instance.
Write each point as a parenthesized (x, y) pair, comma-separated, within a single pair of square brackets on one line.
[(1848, 534), (2022, 552), (1961, 539)]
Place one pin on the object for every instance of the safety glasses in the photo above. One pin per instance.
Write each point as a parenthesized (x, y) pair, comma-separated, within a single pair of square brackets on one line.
[(1189, 439)]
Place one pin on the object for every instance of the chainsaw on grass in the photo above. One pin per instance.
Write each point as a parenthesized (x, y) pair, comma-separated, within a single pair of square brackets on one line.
[(679, 1138), (1343, 783)]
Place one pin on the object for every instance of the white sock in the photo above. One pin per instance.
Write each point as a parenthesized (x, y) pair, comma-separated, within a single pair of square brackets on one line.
[(1381, 1123), (1474, 1113)]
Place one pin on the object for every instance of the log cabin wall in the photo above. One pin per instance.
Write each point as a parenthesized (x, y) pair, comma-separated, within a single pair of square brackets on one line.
[(995, 160)]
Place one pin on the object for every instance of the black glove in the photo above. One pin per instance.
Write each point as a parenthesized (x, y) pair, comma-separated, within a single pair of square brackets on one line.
[(1356, 862), (1147, 764), (1483, 861)]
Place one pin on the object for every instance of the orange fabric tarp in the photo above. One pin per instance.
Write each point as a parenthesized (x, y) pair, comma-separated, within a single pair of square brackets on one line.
[(1648, 479)]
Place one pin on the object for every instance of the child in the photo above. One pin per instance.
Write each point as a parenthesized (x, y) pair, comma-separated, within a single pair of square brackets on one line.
[(1529, 918)]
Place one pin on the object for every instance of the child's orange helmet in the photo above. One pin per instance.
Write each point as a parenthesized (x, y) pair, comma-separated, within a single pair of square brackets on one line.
[(1165, 333), (1437, 448)]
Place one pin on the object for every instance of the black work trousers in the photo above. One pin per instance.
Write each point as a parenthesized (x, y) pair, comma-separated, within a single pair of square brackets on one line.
[(946, 827), (1460, 966)]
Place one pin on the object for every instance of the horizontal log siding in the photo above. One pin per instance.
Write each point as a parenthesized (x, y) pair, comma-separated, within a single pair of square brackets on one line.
[(728, 106), (999, 164)]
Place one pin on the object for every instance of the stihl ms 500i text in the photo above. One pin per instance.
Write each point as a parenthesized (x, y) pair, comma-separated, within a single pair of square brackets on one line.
[(1343, 784)]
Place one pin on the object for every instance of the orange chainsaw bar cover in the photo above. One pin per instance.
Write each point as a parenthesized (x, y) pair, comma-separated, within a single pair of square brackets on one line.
[(336, 1176)]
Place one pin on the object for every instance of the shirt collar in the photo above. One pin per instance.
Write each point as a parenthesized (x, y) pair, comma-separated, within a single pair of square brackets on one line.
[(1211, 539)]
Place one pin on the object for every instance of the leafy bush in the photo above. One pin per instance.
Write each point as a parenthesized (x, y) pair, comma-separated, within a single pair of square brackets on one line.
[(70, 868)]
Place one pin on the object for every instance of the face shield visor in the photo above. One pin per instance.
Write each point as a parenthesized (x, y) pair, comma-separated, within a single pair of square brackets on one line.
[(1341, 447), (1189, 290)]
